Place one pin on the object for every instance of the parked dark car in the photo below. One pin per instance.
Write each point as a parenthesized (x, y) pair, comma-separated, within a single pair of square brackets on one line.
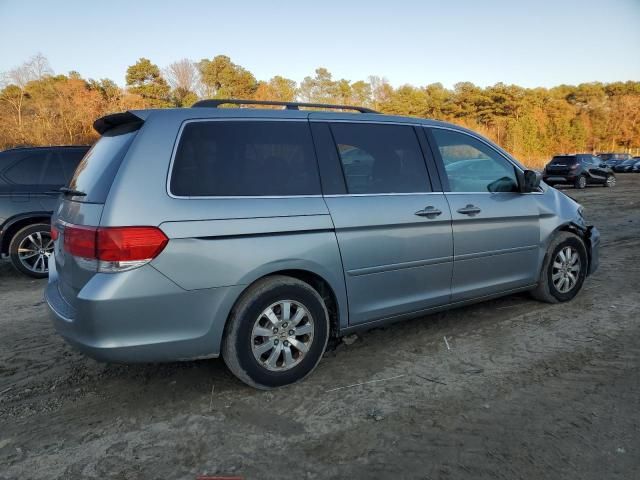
[(626, 166), (612, 159), (30, 180), (636, 166), (578, 170)]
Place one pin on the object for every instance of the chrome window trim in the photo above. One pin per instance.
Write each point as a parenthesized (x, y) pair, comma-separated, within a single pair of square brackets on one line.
[(227, 197), (313, 120), (338, 195)]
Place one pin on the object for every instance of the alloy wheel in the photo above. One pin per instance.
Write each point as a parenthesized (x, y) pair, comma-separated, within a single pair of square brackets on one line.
[(282, 335), (565, 270), (34, 251)]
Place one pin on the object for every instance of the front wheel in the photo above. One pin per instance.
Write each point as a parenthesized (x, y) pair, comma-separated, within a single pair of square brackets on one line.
[(564, 269), (30, 249), (610, 181), (581, 182), (276, 333)]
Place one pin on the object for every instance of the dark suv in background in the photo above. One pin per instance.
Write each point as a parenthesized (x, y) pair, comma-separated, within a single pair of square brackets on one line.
[(578, 170), (30, 182)]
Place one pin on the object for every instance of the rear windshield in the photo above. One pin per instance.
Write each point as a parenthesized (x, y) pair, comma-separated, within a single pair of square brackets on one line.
[(564, 160), (98, 168)]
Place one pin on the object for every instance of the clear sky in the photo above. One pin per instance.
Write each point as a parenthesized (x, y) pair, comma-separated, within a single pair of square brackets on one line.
[(527, 42)]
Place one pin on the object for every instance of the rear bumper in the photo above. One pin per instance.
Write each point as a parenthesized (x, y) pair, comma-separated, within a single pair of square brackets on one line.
[(593, 235), (140, 316), (551, 178)]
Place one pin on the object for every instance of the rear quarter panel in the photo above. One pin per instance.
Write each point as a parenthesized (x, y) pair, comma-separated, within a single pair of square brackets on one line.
[(220, 242)]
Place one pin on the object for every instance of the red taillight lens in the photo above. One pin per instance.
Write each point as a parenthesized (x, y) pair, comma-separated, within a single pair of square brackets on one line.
[(125, 244), (80, 241), (114, 248), (54, 233)]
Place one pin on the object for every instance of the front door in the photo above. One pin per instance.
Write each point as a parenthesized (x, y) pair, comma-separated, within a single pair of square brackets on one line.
[(496, 232)]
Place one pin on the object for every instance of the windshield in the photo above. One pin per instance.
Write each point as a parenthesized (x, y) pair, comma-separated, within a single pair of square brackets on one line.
[(98, 168)]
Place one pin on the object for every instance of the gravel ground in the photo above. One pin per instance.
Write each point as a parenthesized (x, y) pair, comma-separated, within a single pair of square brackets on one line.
[(525, 390)]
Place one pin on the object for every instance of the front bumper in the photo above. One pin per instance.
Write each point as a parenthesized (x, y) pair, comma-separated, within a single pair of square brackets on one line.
[(140, 316), (593, 245)]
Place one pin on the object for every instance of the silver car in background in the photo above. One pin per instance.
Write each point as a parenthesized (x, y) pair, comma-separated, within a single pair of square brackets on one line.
[(257, 234)]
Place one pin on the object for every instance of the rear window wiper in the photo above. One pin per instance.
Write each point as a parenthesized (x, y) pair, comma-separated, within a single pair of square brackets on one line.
[(72, 192)]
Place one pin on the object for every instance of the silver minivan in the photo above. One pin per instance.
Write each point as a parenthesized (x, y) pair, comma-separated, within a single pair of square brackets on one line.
[(258, 234)]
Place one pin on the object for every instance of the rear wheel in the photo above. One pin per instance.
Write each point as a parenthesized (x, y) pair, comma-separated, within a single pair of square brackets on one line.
[(610, 181), (30, 249), (581, 182), (564, 269), (277, 333)]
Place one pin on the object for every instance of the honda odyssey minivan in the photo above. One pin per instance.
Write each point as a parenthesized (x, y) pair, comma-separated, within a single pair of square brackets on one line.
[(258, 234)]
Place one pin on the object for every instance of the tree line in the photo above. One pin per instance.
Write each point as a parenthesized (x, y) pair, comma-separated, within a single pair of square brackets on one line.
[(39, 107)]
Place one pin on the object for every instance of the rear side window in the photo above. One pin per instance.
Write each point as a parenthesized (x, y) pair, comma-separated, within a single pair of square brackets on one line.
[(29, 170), (53, 174), (245, 158), (61, 165), (380, 158), (69, 159), (98, 168)]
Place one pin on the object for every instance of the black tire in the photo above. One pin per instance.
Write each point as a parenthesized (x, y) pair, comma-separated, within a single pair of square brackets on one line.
[(238, 341), (546, 291), (610, 181), (580, 182), (45, 231)]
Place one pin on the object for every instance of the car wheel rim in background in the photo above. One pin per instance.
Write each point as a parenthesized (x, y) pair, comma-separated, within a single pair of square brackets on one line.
[(34, 251)]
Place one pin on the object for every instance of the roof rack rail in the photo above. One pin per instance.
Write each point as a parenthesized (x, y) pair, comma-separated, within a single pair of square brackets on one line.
[(214, 103)]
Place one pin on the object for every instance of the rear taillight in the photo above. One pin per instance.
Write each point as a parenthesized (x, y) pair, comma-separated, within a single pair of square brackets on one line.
[(113, 249), (54, 233)]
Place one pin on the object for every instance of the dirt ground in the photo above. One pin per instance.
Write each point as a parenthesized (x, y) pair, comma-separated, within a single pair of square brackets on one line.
[(526, 390)]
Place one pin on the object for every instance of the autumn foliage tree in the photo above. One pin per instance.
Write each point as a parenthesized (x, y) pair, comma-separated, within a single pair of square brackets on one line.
[(144, 79), (40, 108)]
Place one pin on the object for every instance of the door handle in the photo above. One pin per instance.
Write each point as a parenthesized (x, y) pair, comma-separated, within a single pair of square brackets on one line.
[(470, 210), (429, 212)]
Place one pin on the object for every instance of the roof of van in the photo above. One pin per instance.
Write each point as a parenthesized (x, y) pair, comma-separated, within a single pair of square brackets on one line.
[(104, 123), (136, 117)]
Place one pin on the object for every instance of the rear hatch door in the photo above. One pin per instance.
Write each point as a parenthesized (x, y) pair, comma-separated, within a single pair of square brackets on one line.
[(89, 187), (562, 165)]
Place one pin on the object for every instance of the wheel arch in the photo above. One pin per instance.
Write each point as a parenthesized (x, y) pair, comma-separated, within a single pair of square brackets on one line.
[(570, 227), (18, 222), (336, 306)]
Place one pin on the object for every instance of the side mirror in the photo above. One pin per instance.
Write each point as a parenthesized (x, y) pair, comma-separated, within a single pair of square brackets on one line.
[(531, 181)]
